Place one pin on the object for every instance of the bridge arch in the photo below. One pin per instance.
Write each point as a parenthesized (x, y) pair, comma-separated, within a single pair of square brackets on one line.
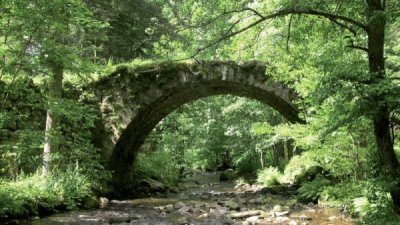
[(134, 100)]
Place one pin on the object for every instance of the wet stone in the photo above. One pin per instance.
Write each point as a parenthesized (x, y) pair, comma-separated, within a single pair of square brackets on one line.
[(258, 200), (242, 200), (179, 205), (283, 213), (232, 205), (253, 219), (204, 215)]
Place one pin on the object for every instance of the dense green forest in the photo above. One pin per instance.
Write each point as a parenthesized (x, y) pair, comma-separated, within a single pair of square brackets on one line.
[(340, 58)]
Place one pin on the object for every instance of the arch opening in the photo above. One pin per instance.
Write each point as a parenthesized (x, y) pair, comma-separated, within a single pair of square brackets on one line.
[(211, 134)]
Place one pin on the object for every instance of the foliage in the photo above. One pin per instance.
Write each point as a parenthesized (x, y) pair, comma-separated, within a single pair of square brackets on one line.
[(157, 165), (311, 191), (343, 194), (74, 136), (24, 121), (21, 127), (341, 94), (204, 135), (381, 215), (367, 199), (36, 195), (133, 28), (297, 168), (39, 35), (270, 176)]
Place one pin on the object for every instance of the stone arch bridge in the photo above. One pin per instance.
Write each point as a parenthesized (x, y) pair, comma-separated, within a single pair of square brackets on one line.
[(133, 100)]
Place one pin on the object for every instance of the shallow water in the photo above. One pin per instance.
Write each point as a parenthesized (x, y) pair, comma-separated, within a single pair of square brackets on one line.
[(204, 201)]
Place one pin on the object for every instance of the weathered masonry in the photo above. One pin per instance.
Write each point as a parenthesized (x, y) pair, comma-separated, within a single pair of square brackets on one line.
[(133, 100)]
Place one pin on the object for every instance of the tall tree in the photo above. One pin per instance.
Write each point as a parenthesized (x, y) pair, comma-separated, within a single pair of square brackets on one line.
[(54, 39), (134, 27), (362, 23)]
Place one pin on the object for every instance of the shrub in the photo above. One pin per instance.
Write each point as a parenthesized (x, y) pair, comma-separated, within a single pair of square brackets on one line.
[(377, 207), (299, 168), (380, 215), (367, 199), (247, 164), (36, 195), (311, 191), (269, 176), (157, 165), (343, 194)]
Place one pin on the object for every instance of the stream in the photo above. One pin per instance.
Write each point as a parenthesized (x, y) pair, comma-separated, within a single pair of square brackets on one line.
[(205, 200)]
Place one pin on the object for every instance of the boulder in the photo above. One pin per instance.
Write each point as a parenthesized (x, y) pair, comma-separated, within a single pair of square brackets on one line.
[(179, 205), (227, 175), (258, 200), (232, 205), (91, 202), (151, 187)]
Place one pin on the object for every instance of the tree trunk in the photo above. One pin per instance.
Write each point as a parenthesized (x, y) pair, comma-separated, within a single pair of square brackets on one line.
[(55, 92), (286, 150), (381, 120)]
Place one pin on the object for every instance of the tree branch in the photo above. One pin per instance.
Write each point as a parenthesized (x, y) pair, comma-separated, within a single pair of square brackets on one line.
[(282, 13), (226, 37), (254, 11), (212, 20), (358, 48), (314, 12), (352, 45), (344, 26), (288, 34)]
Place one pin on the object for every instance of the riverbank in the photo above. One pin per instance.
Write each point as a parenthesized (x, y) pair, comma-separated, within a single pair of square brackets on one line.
[(206, 200)]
